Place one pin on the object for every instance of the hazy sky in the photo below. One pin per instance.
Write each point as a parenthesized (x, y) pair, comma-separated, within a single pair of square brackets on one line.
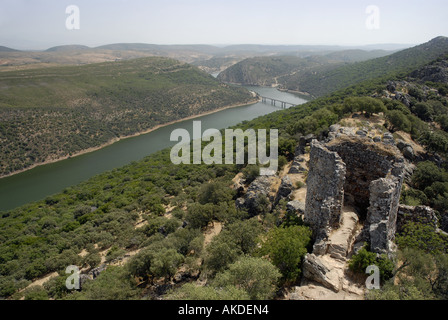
[(39, 24)]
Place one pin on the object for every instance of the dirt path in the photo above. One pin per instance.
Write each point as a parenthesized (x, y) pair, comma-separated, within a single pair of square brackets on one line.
[(335, 260), (212, 232)]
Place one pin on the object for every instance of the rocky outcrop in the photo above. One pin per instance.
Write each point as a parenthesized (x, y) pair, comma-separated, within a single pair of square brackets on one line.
[(285, 189), (258, 189), (406, 149), (435, 72), (298, 165), (422, 214), (94, 273), (319, 269)]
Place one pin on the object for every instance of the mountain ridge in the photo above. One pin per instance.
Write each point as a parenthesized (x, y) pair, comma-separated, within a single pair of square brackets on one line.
[(324, 81)]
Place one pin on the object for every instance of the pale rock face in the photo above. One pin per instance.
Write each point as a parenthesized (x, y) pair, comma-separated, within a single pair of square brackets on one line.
[(319, 269), (296, 206), (325, 191), (382, 213)]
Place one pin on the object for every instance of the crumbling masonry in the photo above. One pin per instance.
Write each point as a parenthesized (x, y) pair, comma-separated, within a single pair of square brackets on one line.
[(358, 173)]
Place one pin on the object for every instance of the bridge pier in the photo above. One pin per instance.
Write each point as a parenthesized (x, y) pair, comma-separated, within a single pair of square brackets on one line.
[(274, 102)]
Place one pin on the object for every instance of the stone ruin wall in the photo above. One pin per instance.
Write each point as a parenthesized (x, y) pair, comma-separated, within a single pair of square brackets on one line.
[(363, 167), (351, 171), (325, 190)]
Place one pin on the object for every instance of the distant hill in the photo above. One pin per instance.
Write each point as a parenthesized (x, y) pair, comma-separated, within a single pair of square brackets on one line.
[(210, 58), (67, 48), (276, 70), (356, 55), (159, 48), (128, 46), (323, 74), (51, 113), (6, 49), (326, 81)]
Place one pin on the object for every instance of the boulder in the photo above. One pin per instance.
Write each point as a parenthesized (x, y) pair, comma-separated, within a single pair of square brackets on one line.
[(97, 271), (401, 144), (388, 138), (285, 189), (318, 269), (303, 141), (299, 150), (260, 187), (391, 86), (334, 128), (408, 153), (403, 98), (296, 166)]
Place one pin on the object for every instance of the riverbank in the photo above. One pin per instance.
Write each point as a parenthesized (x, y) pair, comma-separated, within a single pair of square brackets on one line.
[(117, 139), (299, 93)]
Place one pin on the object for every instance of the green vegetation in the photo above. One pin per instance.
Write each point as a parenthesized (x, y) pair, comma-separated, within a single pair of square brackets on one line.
[(257, 276), (423, 270), (190, 291), (57, 112), (364, 258), (286, 248), (238, 238)]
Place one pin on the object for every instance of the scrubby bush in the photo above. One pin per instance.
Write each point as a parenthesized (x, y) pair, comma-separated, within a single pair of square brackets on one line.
[(257, 276), (364, 258), (250, 173), (191, 291), (398, 121), (286, 248), (36, 293)]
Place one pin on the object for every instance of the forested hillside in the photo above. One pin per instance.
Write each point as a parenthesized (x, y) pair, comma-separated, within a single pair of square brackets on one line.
[(151, 215), (53, 113), (324, 78), (268, 71)]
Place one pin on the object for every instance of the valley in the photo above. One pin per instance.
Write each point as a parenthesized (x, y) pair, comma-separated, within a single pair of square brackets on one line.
[(362, 181)]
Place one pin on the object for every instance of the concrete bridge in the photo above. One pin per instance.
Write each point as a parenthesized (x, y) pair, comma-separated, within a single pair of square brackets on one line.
[(272, 101)]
